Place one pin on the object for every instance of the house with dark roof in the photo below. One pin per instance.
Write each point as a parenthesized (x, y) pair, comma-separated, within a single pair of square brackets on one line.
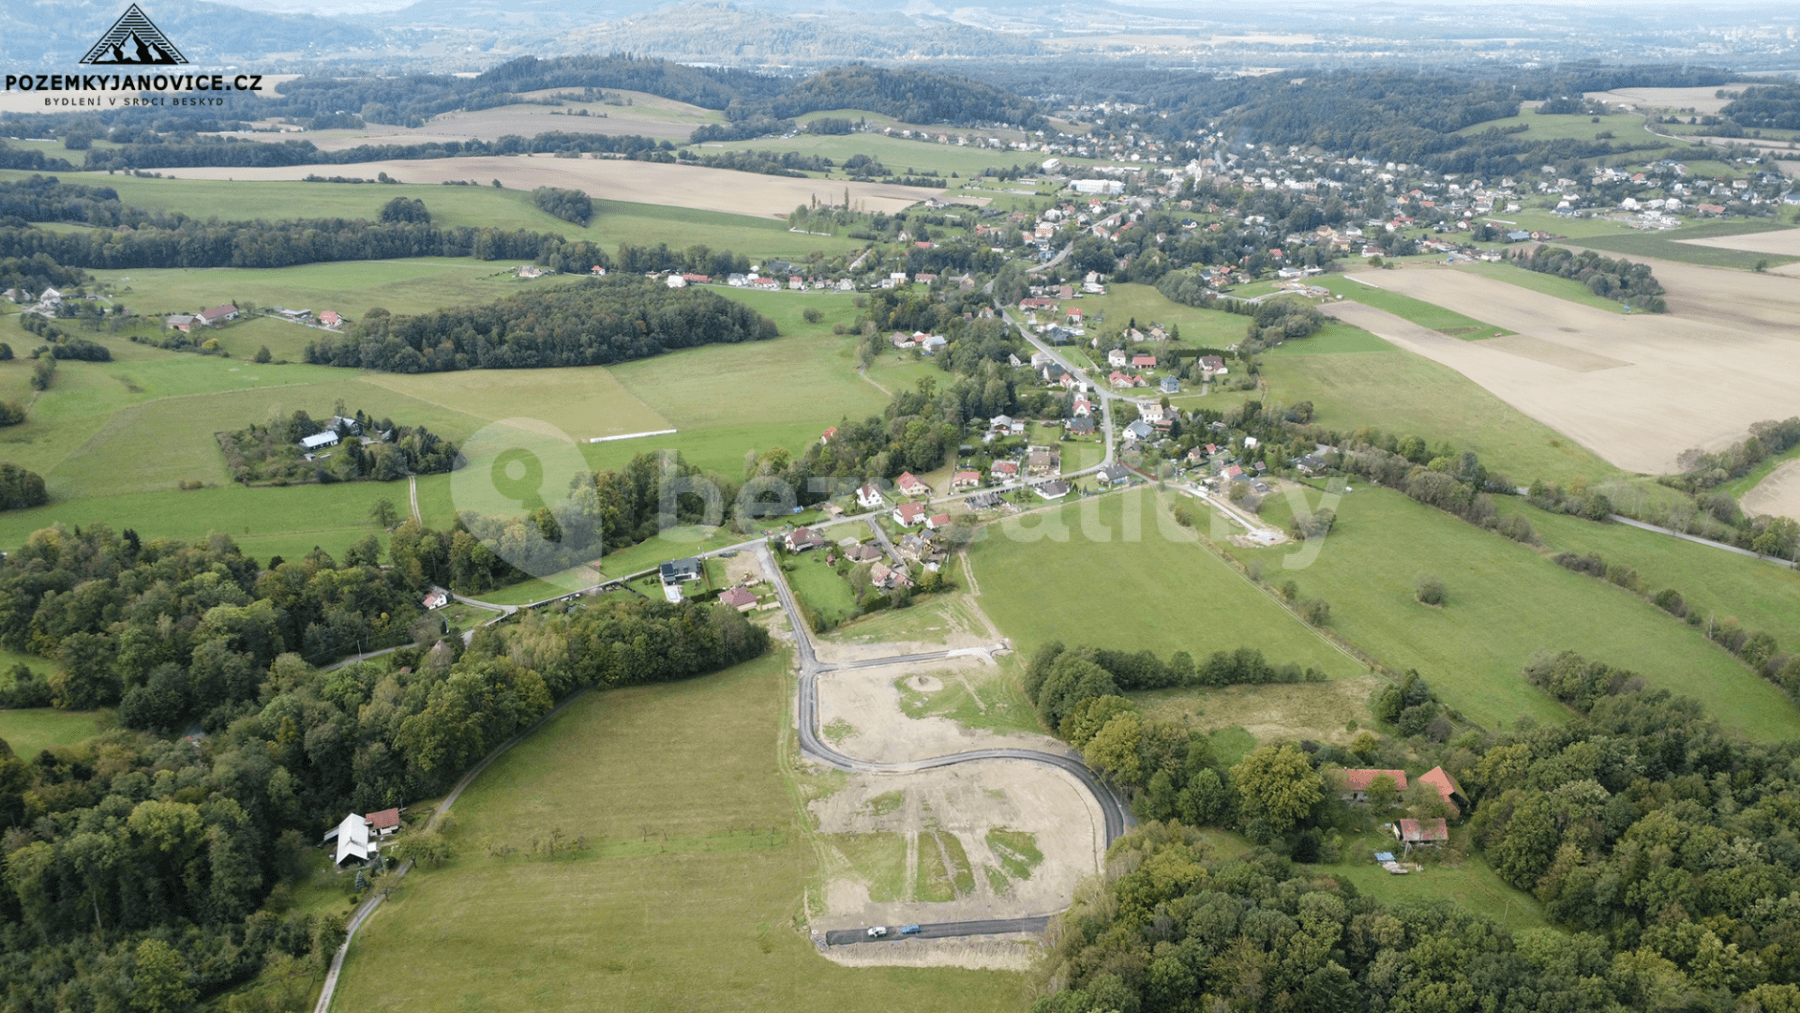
[(1171, 385), (1113, 474), (680, 571), (1080, 425), (1051, 490)]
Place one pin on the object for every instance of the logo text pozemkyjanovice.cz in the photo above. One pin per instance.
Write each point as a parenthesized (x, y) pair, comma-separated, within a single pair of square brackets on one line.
[(134, 41)]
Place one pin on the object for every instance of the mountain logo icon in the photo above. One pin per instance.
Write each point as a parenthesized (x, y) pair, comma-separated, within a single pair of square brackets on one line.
[(134, 40)]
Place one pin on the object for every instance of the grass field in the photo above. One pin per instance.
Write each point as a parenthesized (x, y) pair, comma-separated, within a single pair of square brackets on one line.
[(1667, 245), (1548, 284), (1123, 303), (689, 899), (1355, 379), (30, 732), (827, 596), (1739, 486), (1407, 308), (1627, 128), (1506, 601), (972, 699), (1080, 576), (614, 222), (1761, 595)]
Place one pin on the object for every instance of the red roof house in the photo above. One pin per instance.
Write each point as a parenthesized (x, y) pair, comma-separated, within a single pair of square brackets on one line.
[(1446, 786)]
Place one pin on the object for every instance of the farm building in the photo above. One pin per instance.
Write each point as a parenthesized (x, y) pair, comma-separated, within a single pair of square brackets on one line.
[(218, 315), (319, 440), (1421, 833), (1353, 785), (1447, 787)]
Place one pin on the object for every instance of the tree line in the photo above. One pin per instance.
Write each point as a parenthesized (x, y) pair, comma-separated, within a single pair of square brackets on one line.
[(1619, 280), (133, 836), (270, 244), (596, 322), (155, 152)]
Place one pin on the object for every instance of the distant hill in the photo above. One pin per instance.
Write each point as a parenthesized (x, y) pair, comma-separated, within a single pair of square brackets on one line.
[(45, 36)]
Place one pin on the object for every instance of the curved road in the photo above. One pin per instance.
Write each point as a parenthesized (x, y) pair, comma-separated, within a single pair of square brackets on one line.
[(1115, 817)]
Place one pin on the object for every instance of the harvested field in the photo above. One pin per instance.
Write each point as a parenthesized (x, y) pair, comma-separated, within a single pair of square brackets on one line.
[(744, 193), (1680, 380), (1777, 494), (1704, 100), (1785, 242)]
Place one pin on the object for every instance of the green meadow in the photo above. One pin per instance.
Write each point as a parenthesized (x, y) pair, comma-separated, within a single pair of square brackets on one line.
[(1506, 601), (30, 732), (1117, 572), (1418, 311), (676, 790)]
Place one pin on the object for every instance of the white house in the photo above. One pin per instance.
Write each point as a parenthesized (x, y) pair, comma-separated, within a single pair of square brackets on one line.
[(677, 281), (353, 842), (869, 498), (319, 440)]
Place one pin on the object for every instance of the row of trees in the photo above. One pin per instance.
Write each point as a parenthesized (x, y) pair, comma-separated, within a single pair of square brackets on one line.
[(1620, 280), (597, 322)]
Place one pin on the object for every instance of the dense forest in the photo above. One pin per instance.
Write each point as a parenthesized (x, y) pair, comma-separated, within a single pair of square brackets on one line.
[(377, 450), (155, 152), (910, 96), (20, 488), (593, 323), (1660, 846), (1774, 106), (133, 860)]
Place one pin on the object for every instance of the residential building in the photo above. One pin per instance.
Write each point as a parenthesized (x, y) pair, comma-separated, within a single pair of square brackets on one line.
[(805, 539), (911, 486), (740, 598), (1353, 785), (1447, 787), (869, 497), (909, 514)]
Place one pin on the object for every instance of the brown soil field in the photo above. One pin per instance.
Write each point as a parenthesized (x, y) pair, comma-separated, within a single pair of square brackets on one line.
[(1785, 242), (1778, 494), (1678, 382), (1766, 304), (743, 193)]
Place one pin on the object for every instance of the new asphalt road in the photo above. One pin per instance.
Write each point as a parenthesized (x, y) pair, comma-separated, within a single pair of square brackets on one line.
[(1115, 817)]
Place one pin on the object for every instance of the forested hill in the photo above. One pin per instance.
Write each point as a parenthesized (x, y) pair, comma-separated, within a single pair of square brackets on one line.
[(909, 96), (593, 324)]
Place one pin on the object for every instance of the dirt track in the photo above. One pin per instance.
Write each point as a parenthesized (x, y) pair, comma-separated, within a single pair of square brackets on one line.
[(744, 193), (1778, 494), (1635, 389)]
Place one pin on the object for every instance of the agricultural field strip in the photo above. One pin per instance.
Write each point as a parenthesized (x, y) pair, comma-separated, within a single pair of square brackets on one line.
[(639, 182), (1731, 377)]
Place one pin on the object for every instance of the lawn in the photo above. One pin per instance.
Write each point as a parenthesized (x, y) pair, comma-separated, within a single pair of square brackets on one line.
[(30, 732), (1761, 595), (1115, 572), (1626, 128), (1112, 312), (1668, 245), (1418, 311), (1469, 883), (826, 595), (1355, 379), (1750, 479), (690, 897), (904, 156), (1506, 601)]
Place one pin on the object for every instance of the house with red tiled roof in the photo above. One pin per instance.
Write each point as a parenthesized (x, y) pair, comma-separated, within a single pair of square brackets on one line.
[(1353, 785), (909, 514), (1143, 361), (1447, 787), (1004, 469), (826, 436), (739, 598), (965, 480), (384, 822), (909, 485), (936, 521)]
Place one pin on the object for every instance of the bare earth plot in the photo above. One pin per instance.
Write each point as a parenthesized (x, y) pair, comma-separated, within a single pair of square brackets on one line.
[(1638, 389), (1777, 494), (1783, 243), (1762, 303), (1702, 100), (863, 706), (743, 193)]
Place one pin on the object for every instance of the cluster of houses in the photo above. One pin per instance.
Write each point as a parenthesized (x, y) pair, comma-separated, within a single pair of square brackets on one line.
[(336, 429), (325, 318), (48, 304)]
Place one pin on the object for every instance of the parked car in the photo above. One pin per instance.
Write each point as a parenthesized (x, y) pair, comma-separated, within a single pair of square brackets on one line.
[(877, 931), (909, 930)]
